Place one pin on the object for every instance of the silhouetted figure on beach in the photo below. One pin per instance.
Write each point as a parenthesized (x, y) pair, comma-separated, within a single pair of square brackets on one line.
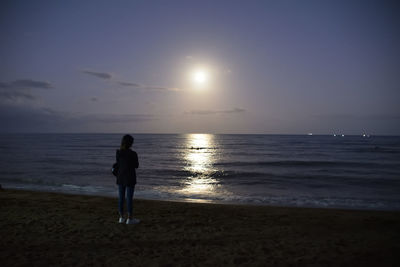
[(127, 161)]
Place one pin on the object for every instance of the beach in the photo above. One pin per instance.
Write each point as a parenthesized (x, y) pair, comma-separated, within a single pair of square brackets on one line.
[(42, 229)]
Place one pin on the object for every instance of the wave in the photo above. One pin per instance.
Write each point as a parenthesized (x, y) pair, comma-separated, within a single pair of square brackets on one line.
[(69, 162), (377, 149), (173, 173), (291, 201), (302, 163), (28, 181)]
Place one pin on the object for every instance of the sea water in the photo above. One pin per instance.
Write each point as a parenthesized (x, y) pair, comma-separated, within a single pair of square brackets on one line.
[(360, 172)]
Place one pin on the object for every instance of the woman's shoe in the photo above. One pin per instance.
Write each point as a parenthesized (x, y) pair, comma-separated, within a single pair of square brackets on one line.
[(121, 220)]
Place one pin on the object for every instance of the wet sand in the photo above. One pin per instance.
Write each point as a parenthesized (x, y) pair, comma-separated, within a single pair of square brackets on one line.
[(48, 229)]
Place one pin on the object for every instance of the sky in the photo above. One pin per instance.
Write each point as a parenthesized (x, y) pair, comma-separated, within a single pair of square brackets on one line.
[(245, 67)]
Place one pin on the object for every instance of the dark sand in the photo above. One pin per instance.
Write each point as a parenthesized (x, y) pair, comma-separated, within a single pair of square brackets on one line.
[(47, 229)]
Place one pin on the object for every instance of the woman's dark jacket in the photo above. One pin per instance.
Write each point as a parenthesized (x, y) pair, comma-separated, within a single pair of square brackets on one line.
[(128, 162)]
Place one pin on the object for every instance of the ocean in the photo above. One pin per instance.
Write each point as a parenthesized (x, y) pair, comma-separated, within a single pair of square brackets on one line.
[(351, 172)]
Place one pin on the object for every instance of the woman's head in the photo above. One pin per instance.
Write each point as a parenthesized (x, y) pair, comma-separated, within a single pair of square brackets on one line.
[(126, 142)]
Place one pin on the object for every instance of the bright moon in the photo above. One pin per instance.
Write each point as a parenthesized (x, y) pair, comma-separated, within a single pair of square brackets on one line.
[(200, 77)]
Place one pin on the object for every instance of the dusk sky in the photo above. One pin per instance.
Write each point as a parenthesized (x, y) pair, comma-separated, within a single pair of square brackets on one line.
[(278, 67)]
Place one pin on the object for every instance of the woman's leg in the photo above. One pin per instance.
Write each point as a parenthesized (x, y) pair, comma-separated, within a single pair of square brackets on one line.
[(121, 199), (130, 190)]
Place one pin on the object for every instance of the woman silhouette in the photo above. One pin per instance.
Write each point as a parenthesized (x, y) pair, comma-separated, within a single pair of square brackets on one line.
[(127, 161)]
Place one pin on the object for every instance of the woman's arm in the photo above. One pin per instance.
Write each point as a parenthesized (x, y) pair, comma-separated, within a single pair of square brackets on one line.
[(135, 160)]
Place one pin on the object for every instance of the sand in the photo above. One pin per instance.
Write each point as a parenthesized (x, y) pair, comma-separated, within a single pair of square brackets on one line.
[(48, 229)]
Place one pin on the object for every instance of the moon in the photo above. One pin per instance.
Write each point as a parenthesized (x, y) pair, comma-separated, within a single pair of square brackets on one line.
[(200, 77)]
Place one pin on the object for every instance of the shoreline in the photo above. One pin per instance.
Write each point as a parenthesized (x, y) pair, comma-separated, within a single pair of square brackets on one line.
[(202, 201), (50, 228)]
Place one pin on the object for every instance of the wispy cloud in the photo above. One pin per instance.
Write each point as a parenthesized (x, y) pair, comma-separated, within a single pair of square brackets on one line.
[(351, 117), (212, 112), (109, 76), (21, 89), (28, 83), (161, 88), (102, 75), (15, 95), (148, 87), (26, 118), (129, 84), (227, 71), (95, 118), (49, 111), (114, 118)]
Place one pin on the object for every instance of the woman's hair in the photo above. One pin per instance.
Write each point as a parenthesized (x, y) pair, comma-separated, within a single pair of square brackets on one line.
[(126, 142)]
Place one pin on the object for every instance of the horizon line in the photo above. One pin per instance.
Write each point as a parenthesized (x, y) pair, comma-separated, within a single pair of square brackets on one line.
[(184, 133)]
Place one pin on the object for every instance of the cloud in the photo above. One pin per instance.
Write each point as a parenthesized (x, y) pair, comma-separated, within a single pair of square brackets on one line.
[(21, 89), (161, 88), (109, 76), (227, 71), (129, 84), (114, 118), (49, 111), (25, 118), (148, 87), (15, 95), (27, 83), (354, 117), (102, 75), (212, 112)]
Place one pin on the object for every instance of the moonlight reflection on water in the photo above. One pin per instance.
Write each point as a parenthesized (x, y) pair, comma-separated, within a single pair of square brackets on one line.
[(200, 156)]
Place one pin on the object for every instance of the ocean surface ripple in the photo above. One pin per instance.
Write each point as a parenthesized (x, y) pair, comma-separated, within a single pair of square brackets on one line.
[(289, 170)]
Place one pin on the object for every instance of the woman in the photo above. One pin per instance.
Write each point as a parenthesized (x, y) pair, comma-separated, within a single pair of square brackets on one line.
[(127, 161)]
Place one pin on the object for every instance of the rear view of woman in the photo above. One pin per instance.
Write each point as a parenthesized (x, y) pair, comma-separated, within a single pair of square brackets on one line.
[(127, 161)]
